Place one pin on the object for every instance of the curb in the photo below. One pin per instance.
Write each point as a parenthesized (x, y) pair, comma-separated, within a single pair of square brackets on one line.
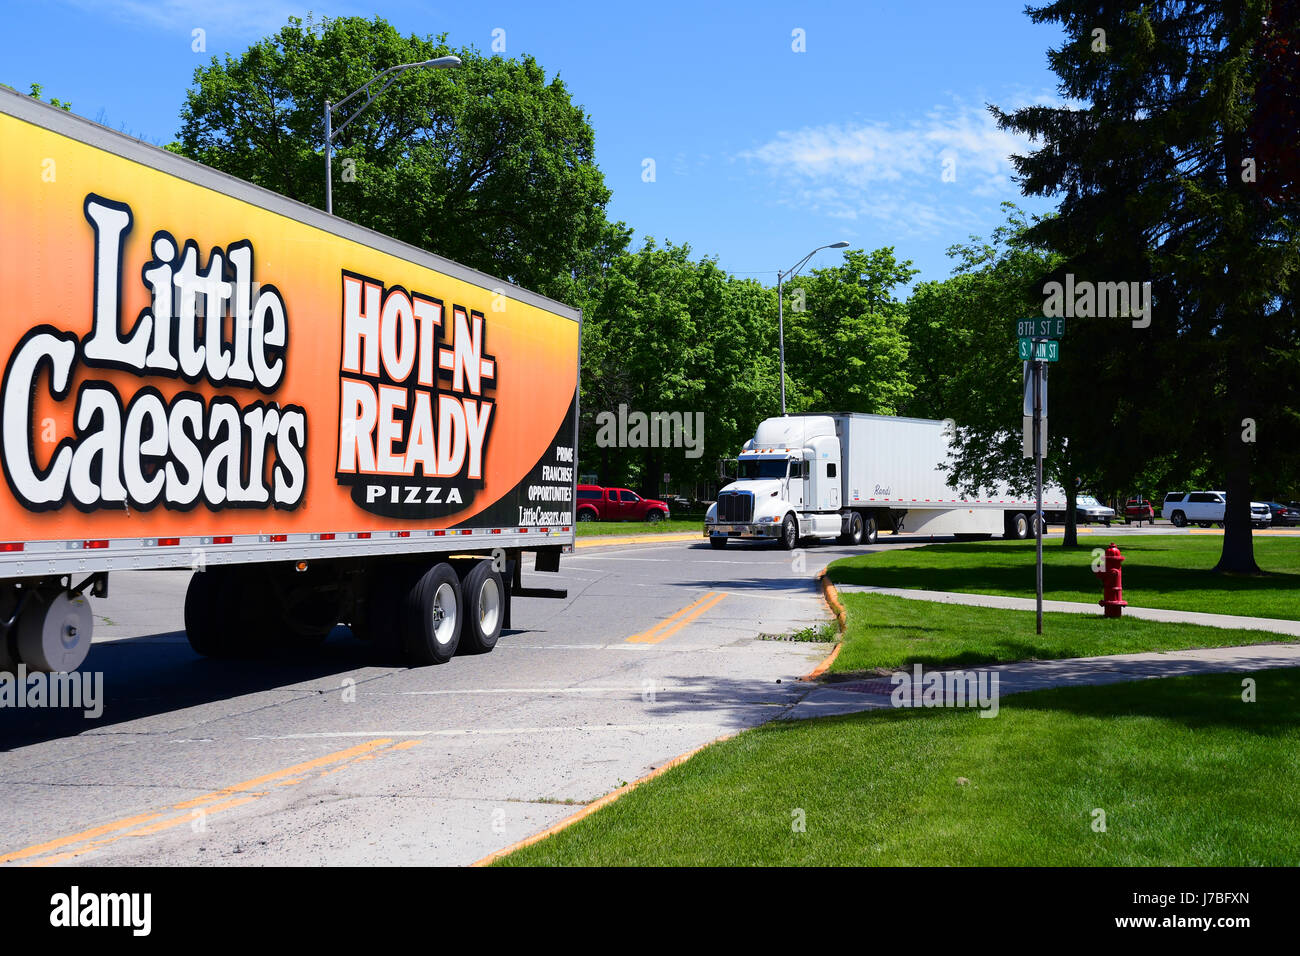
[(832, 597), (595, 805), (598, 540)]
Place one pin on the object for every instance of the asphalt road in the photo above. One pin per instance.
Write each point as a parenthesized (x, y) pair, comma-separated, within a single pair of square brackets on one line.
[(323, 758)]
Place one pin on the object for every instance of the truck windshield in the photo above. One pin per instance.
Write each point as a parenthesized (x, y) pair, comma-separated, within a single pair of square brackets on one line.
[(763, 467)]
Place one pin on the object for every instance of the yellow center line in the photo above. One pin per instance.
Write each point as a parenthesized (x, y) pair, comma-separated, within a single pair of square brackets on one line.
[(278, 774), (90, 835), (671, 625), (147, 830)]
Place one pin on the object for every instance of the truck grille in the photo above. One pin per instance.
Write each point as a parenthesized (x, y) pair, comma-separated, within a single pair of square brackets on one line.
[(736, 506)]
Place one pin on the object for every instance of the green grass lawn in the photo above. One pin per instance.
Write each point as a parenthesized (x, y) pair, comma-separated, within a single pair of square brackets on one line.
[(891, 632), (587, 528), (1186, 773), (1160, 571)]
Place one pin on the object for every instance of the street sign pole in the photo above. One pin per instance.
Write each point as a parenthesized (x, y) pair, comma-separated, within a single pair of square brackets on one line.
[(1038, 483), (1038, 342)]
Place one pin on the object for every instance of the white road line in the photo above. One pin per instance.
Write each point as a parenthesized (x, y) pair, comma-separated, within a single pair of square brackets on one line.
[(626, 689), (576, 647), (590, 557), (494, 731)]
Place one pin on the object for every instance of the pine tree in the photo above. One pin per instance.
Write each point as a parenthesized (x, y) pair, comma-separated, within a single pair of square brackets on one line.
[(1173, 167)]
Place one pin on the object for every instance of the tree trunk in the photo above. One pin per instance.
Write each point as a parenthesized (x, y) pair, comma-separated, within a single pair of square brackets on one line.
[(1070, 539), (1238, 555)]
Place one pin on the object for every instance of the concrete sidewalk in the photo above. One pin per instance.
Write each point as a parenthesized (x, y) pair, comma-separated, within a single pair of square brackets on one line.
[(849, 697), (1276, 625)]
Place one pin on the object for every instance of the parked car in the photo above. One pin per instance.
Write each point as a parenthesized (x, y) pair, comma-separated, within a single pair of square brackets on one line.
[(1283, 515), (618, 504), (1205, 508), (678, 503), (1088, 510), (1202, 507), (1138, 508)]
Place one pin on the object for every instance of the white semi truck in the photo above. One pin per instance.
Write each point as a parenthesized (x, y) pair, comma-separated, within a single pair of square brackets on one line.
[(849, 476)]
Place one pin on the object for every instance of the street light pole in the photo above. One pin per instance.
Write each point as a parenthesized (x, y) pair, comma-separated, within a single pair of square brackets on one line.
[(329, 150), (780, 325), (780, 304), (440, 63)]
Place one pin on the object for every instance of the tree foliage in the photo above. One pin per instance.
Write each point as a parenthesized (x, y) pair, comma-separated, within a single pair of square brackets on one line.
[(1159, 181), (489, 164), (669, 333), (845, 342)]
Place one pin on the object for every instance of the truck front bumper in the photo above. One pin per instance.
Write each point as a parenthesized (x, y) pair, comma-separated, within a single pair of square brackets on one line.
[(769, 531)]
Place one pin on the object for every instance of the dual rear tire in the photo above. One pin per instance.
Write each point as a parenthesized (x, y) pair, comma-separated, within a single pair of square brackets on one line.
[(444, 610), (415, 616), (860, 530)]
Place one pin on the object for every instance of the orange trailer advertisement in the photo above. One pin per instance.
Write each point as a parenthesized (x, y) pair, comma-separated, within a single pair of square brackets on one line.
[(184, 360)]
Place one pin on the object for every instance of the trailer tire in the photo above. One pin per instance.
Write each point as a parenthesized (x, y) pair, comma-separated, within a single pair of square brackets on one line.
[(718, 541), (872, 532), (431, 617), (789, 533), (853, 536), (212, 624), (1018, 526), (485, 608)]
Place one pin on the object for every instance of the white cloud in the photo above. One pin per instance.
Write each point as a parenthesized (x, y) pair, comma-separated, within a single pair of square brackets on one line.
[(895, 171)]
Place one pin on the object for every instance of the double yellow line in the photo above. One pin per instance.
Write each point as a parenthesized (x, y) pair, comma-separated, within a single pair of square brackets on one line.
[(227, 798), (671, 625)]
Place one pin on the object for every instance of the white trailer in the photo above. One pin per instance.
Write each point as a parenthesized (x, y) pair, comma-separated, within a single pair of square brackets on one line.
[(850, 475)]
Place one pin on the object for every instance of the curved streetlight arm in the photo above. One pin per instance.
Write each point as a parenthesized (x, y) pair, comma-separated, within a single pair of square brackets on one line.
[(794, 270), (336, 130), (780, 305), (438, 63)]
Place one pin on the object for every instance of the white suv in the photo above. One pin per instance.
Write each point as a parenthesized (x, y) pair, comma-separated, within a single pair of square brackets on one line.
[(1202, 507), (1206, 508)]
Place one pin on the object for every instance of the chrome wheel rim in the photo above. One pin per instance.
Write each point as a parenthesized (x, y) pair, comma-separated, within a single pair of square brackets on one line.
[(489, 606), (444, 614)]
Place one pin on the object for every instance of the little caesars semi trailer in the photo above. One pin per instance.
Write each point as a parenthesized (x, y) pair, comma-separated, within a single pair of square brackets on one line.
[(850, 475), (326, 425)]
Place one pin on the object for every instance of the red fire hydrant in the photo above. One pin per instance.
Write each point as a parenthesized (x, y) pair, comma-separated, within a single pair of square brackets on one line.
[(1112, 580)]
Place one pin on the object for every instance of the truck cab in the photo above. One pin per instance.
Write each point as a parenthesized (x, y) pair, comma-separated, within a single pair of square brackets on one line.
[(788, 485)]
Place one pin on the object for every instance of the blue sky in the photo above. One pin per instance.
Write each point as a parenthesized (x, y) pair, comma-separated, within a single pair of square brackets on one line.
[(761, 153)]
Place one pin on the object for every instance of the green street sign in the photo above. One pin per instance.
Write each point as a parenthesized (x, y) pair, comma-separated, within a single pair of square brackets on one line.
[(1040, 328), (1046, 351)]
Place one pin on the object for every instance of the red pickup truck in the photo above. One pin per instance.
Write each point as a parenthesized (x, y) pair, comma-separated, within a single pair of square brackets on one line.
[(617, 504), (1138, 509)]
